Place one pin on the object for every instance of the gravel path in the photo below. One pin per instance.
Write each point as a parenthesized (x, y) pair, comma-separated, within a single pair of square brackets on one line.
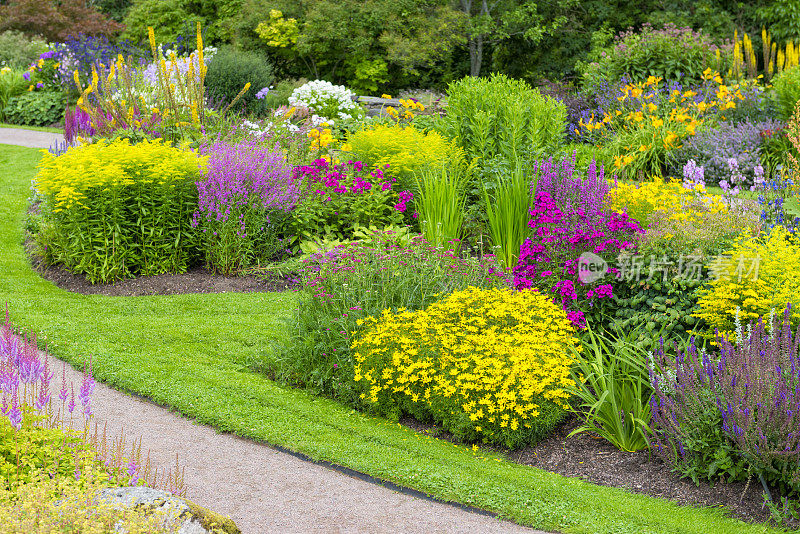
[(264, 490), (29, 138)]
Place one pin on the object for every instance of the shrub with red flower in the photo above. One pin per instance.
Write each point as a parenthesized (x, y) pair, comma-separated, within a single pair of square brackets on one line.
[(571, 217)]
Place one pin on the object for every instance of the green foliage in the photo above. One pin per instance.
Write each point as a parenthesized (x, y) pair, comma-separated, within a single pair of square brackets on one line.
[(12, 84), (127, 212), (18, 50), (787, 91), (782, 17), (507, 211), (612, 385), (708, 453), (114, 9), (281, 91), (362, 45), (440, 203), (335, 211), (33, 447), (228, 72), (167, 18), (502, 118), (406, 150), (672, 53), (35, 108), (354, 281)]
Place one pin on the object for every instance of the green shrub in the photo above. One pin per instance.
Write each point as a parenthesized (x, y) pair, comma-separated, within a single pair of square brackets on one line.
[(502, 118), (486, 364), (671, 53), (168, 18), (406, 150), (18, 50), (231, 69), (115, 210), (35, 108), (787, 91)]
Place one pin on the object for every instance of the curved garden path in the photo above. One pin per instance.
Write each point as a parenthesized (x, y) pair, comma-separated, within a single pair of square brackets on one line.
[(29, 138), (262, 489)]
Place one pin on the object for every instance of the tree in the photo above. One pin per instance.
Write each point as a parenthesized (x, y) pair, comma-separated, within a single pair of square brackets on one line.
[(492, 21), (56, 20), (365, 43)]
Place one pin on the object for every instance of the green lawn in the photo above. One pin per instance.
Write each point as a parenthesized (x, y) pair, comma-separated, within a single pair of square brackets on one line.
[(35, 128), (192, 352)]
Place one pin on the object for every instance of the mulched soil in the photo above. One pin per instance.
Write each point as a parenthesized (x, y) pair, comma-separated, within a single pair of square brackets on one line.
[(592, 459), (196, 280)]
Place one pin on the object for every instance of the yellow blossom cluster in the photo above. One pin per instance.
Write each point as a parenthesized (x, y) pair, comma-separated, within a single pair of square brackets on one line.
[(650, 119), (321, 137), (754, 278), (641, 201), (482, 362), (409, 106), (105, 166)]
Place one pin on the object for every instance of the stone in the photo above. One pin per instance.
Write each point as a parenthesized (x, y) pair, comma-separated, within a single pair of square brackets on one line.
[(192, 518)]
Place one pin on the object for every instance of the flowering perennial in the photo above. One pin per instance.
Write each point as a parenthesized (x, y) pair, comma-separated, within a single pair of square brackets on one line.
[(327, 101), (571, 217), (485, 363)]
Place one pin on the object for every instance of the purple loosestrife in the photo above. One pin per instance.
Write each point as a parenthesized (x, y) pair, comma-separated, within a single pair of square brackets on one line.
[(571, 217), (76, 124), (243, 186), (241, 176), (86, 390)]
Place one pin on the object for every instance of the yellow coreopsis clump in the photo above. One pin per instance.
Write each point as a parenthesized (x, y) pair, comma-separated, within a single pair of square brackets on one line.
[(489, 364)]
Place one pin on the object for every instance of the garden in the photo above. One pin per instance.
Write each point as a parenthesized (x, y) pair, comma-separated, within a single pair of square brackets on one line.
[(570, 304)]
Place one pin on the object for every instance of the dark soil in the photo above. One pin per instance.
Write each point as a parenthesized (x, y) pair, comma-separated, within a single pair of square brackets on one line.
[(196, 280), (591, 458)]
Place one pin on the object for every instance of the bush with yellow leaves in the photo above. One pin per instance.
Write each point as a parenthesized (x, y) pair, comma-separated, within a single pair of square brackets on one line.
[(405, 150), (756, 277), (486, 364)]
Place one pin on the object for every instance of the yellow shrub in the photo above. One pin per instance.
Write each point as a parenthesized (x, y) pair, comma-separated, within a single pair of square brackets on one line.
[(643, 201), (105, 165), (758, 276), (488, 364), (405, 149)]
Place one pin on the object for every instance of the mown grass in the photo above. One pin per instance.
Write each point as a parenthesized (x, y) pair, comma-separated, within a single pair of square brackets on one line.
[(193, 352), (34, 128)]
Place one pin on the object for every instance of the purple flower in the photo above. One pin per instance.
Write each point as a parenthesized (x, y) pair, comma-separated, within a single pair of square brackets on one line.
[(262, 93), (27, 75), (39, 85)]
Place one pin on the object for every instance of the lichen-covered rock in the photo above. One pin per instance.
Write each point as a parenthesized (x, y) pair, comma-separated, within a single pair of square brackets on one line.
[(191, 518)]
